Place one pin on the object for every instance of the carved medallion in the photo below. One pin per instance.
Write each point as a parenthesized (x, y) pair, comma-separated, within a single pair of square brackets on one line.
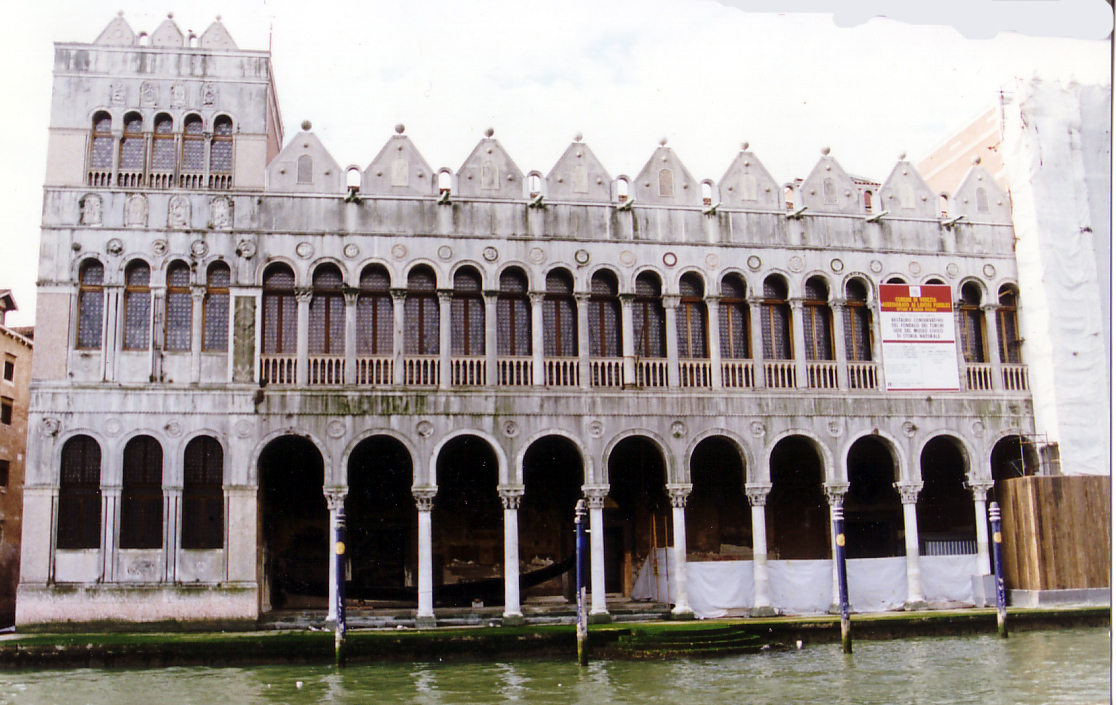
[(627, 258), (491, 254), (399, 251), (445, 252), (989, 271), (837, 265), (795, 264), (424, 428), (582, 257), (511, 429), (754, 263), (115, 247), (758, 429), (49, 427), (335, 428), (670, 259), (678, 429), (712, 260), (174, 429), (113, 427), (178, 212), (952, 270), (596, 428), (914, 268), (198, 248), (351, 251), (243, 428), (876, 266), (536, 255), (304, 250), (246, 249)]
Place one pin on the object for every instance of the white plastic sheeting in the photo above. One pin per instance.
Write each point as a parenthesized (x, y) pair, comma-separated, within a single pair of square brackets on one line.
[(805, 587)]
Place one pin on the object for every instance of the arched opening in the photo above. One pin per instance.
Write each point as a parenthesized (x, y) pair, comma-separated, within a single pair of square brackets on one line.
[(559, 318), (691, 320), (352, 179), (972, 324), (718, 515), (637, 520), (215, 312), (868, 202), (221, 153), (445, 181), (79, 495), (294, 525), (649, 320), (91, 305), (873, 510), (513, 317), (797, 510), (552, 476), (375, 333), (1007, 325), (203, 496), (946, 518), (706, 193), (327, 326), (133, 149), (180, 307), (381, 521), (858, 323), (164, 152), (776, 320), (1013, 456), (467, 328), (604, 330), (421, 313), (534, 184), (817, 323), (137, 306), (141, 497), (193, 149), (622, 187)]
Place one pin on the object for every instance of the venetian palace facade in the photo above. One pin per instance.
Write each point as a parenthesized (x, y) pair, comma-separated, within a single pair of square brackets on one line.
[(240, 338)]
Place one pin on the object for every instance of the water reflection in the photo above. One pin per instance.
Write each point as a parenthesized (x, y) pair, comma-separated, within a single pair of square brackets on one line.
[(1070, 666)]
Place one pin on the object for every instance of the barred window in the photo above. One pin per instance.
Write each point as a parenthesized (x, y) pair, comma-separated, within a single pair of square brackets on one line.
[(736, 324), (1007, 318), (280, 311), (691, 320), (559, 315), (100, 146), (132, 143), (137, 306), (513, 314), (180, 307), (141, 498), (91, 304), (467, 313), (858, 323), (221, 151), (649, 317), (203, 498), (375, 313), (193, 144), (775, 320), (162, 147), (421, 313), (327, 312), (79, 494), (215, 309), (972, 324), (604, 316), (817, 321)]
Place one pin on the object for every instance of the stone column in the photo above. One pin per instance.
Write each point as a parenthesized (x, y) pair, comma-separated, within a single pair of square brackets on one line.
[(112, 340), (351, 296), (197, 321), (908, 492), (158, 338), (670, 307), (993, 345), (595, 498), (755, 342), (445, 378), (172, 538), (110, 530), (510, 496), (398, 335), (303, 296), (840, 354), (980, 489), (424, 501), (962, 364), (761, 600), (584, 371), (335, 500), (798, 344), (538, 361), (835, 496), (491, 338), (627, 334), (713, 312), (678, 494)]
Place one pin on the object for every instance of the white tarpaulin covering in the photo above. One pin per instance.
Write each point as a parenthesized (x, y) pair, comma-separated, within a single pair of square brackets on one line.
[(805, 587)]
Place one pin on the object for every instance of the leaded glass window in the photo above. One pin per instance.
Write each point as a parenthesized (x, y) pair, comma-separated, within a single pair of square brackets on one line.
[(467, 314), (513, 314), (691, 320), (132, 143), (775, 320), (280, 311), (193, 144), (162, 148), (91, 305), (421, 313), (1007, 318), (327, 313), (137, 306), (203, 498), (604, 316), (101, 145), (179, 307), (375, 313), (141, 497), (79, 494), (649, 317), (858, 323), (972, 324), (817, 321), (559, 316), (736, 323), (221, 153), (215, 311)]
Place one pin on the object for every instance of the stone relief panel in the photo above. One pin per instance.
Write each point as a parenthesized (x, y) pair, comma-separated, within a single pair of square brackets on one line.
[(178, 212), (135, 211), (91, 210), (221, 213), (244, 339)]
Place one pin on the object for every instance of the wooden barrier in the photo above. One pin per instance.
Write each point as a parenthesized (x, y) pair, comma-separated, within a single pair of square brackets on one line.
[(1056, 531)]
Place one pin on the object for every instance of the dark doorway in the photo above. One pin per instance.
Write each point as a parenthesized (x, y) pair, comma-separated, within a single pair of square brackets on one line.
[(552, 478), (797, 511), (381, 517), (718, 516), (873, 509), (640, 510), (468, 518), (946, 518)]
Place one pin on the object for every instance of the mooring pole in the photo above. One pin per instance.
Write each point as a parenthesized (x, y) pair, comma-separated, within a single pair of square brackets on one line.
[(582, 615), (842, 577), (339, 548), (998, 565)]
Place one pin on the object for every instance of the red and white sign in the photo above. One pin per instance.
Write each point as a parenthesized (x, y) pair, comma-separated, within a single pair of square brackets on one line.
[(919, 338)]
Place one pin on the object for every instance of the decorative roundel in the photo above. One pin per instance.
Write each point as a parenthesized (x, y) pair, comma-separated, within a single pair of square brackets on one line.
[(115, 246), (511, 429), (915, 268), (795, 264), (351, 251), (246, 249), (243, 428), (113, 427), (837, 265), (758, 429), (876, 266), (304, 250), (445, 252), (159, 247), (174, 429), (712, 260), (335, 428), (582, 257), (978, 429), (627, 258), (989, 271), (952, 270), (198, 248), (670, 259), (909, 429), (835, 428), (491, 254), (399, 251), (424, 428), (596, 428), (537, 255), (754, 263), (678, 429), (49, 427)]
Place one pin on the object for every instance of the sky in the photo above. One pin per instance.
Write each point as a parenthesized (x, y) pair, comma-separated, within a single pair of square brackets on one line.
[(787, 77)]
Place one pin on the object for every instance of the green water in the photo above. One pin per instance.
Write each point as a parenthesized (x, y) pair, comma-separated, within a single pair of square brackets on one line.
[(1060, 666)]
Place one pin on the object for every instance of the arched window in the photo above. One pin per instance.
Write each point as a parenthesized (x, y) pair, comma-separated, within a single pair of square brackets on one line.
[(100, 145), (604, 316), (203, 499), (649, 317), (327, 312), (467, 313), (91, 305), (141, 498), (132, 145), (1007, 320), (193, 144), (215, 313), (162, 146), (180, 307), (375, 313), (421, 313), (775, 318), (736, 326), (817, 320), (622, 187), (137, 306), (972, 324), (707, 193), (858, 323), (691, 318), (559, 315), (445, 181), (352, 179), (280, 311), (867, 201), (79, 494), (534, 184), (513, 314), (221, 151)]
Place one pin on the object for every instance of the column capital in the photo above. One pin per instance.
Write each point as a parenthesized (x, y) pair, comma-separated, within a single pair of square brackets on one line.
[(445, 295), (757, 493), (671, 300), (795, 304), (908, 491), (581, 297), (626, 299), (335, 498), (197, 291), (595, 495), (979, 488), (424, 497), (990, 307), (398, 294), (837, 304), (510, 495), (303, 294), (678, 492), (351, 294), (536, 297), (835, 493)]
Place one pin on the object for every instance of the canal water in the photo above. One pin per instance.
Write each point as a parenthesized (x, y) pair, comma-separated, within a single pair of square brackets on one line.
[(1059, 666)]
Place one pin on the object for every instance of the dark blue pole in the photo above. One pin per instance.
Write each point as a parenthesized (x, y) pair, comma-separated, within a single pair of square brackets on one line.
[(582, 617), (339, 548), (998, 565), (842, 577)]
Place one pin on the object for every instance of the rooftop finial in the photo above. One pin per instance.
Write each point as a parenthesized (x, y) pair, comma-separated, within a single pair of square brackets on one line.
[(120, 13), (218, 18), (825, 151), (170, 15), (902, 156), (743, 146), (663, 141), (976, 159), (577, 137), (306, 125), (489, 132), (399, 128)]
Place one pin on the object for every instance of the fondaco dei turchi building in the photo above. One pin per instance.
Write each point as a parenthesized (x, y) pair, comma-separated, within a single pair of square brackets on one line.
[(239, 339)]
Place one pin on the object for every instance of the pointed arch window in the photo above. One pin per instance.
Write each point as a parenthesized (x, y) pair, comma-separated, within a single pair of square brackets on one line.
[(137, 306), (649, 317), (858, 323), (193, 144), (692, 325), (327, 312), (215, 311), (203, 498), (513, 314), (421, 313), (736, 325), (163, 152), (221, 151), (972, 324), (141, 498), (91, 305), (775, 319), (280, 311), (559, 315), (180, 307), (79, 494), (1007, 319), (100, 146), (375, 314), (604, 316), (817, 320), (467, 313)]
